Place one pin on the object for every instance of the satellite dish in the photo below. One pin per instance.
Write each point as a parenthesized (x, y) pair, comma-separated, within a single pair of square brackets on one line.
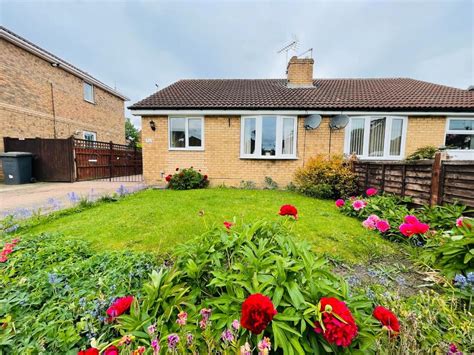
[(338, 121), (312, 122)]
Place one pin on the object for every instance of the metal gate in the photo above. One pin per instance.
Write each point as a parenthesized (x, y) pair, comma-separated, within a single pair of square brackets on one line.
[(107, 161)]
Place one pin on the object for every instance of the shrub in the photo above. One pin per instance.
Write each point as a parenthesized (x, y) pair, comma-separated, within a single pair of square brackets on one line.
[(270, 184), (443, 217), (427, 152), (187, 179), (54, 293), (326, 177), (247, 185), (218, 271)]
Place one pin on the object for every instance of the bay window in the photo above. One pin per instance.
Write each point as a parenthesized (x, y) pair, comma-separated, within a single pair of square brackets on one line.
[(375, 137), (268, 137), (186, 133), (460, 134)]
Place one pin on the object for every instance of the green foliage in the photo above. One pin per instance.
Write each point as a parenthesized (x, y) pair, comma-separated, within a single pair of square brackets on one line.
[(221, 268), (443, 217), (54, 293), (270, 184), (452, 252), (132, 134), (427, 152), (188, 179), (324, 177)]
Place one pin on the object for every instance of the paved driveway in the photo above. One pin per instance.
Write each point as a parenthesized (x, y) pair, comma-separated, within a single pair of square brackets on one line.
[(53, 195)]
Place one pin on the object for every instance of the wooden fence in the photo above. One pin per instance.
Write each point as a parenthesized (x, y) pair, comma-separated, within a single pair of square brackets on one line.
[(72, 159), (431, 182)]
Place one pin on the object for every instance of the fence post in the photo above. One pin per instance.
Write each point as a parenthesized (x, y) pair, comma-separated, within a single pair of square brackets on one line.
[(111, 168), (436, 178)]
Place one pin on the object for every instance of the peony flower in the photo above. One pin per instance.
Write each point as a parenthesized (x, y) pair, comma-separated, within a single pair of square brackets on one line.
[(371, 191), (382, 226), (340, 203), (120, 306), (288, 210), (173, 340), (182, 318), (246, 349), (236, 324), (387, 319), (228, 225), (111, 350), (371, 221), (257, 312), (336, 331), (3, 258), (168, 178), (413, 226), (90, 351), (227, 336), (359, 204), (264, 346)]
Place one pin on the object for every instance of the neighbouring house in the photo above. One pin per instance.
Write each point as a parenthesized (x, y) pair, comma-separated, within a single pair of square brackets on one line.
[(44, 96), (236, 130)]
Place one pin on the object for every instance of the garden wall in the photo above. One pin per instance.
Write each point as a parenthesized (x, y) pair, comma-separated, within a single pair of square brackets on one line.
[(431, 182)]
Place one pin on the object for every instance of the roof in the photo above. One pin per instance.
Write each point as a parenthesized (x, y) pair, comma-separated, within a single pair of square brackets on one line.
[(390, 94), (44, 54)]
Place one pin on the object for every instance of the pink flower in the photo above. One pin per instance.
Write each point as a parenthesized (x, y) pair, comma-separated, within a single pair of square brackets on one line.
[(340, 203), (411, 219), (463, 222), (236, 324), (3, 258), (182, 318), (371, 221), (382, 226), (359, 204), (459, 221), (264, 346), (371, 191), (228, 225), (413, 226)]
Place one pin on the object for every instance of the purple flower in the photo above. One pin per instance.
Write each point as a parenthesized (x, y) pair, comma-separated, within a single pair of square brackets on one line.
[(173, 340), (151, 329), (205, 313), (73, 197), (155, 345), (236, 324), (227, 336), (122, 190), (453, 350)]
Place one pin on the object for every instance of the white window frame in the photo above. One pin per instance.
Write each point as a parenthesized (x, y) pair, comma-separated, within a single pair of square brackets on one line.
[(84, 92), (258, 138), (94, 134), (458, 131), (186, 133), (388, 131)]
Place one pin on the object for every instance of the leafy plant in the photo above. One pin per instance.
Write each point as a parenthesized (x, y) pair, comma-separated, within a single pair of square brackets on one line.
[(187, 179), (326, 177), (427, 152), (247, 185), (270, 184), (443, 217)]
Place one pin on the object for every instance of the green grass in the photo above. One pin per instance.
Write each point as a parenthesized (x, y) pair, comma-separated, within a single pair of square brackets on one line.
[(158, 220)]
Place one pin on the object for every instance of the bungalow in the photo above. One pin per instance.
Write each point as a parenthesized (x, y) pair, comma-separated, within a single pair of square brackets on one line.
[(241, 129)]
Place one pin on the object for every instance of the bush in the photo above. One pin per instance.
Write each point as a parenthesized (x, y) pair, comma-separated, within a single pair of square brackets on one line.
[(187, 179), (326, 178), (54, 293), (427, 152), (270, 184), (220, 269)]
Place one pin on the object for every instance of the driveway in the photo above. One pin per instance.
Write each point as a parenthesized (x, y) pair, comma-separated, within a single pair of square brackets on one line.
[(49, 196)]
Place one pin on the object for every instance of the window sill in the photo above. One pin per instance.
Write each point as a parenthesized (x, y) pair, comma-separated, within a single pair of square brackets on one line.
[(380, 158), (91, 102), (186, 149), (268, 158)]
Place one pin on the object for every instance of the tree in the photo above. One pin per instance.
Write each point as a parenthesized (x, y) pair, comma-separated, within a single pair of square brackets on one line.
[(132, 135)]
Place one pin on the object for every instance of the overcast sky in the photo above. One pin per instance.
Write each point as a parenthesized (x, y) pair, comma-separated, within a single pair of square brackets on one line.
[(134, 45)]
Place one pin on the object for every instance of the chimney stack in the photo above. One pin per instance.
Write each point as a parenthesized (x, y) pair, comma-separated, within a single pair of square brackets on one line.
[(300, 72)]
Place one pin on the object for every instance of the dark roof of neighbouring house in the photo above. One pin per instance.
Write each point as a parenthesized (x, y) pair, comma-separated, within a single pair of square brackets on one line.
[(327, 94), (16, 39)]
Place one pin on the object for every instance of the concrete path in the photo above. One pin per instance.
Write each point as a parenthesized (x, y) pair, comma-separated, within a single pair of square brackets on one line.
[(49, 196)]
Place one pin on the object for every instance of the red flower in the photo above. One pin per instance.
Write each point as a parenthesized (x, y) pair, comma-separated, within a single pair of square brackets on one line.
[(371, 191), (413, 226), (387, 319), (90, 351), (120, 306), (205, 177), (336, 331), (288, 210), (111, 350), (228, 225), (257, 312), (168, 178)]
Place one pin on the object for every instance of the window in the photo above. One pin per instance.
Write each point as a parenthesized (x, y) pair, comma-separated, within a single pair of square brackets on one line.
[(88, 92), (460, 133), (186, 133), (268, 137), (376, 137), (90, 136)]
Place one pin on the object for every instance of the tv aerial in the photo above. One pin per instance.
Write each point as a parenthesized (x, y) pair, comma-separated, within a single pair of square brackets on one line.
[(292, 46)]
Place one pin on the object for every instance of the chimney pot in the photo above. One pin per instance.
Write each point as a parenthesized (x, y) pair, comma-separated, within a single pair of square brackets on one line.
[(300, 72)]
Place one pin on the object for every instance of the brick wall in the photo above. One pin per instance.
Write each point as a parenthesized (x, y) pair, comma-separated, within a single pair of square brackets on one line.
[(300, 71), (221, 156), (423, 131), (26, 101)]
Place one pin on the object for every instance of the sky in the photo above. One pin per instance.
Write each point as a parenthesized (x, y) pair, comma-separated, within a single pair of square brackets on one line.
[(136, 45)]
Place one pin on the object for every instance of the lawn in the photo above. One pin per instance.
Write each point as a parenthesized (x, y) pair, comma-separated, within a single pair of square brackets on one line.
[(157, 220)]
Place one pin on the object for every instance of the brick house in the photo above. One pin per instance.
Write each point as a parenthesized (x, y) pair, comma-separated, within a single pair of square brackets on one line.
[(236, 130), (44, 96)]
